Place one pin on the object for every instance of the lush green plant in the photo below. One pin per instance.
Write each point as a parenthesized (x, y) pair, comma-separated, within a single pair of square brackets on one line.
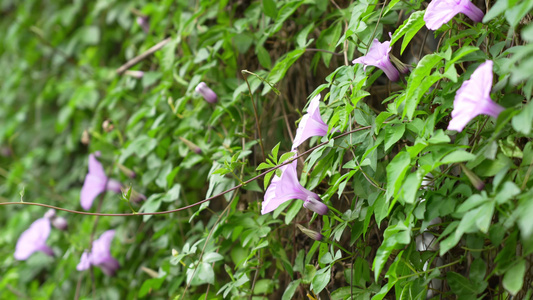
[(415, 210)]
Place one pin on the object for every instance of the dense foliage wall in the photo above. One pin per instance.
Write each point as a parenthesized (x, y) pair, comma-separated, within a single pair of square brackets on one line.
[(266, 149)]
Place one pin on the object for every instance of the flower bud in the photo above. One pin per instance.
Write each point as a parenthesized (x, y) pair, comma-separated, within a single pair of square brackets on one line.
[(206, 92), (5, 151), (108, 126), (85, 137), (144, 22), (50, 214), (311, 233), (174, 252), (128, 172), (474, 179), (60, 223), (316, 205), (134, 73), (191, 145), (399, 64)]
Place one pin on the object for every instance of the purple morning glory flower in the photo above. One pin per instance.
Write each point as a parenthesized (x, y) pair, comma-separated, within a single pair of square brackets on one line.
[(287, 187), (311, 124), (96, 182), (34, 239), (440, 12), (100, 255), (206, 92), (378, 56), (473, 98)]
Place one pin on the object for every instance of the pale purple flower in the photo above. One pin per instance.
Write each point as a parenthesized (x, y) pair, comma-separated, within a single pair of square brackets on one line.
[(96, 182), (473, 98), (288, 187), (206, 92), (34, 239), (311, 124), (144, 22), (440, 12), (378, 56), (100, 255)]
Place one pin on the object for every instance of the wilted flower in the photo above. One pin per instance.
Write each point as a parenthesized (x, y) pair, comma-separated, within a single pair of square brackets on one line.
[(96, 182), (60, 223), (311, 124), (440, 12), (144, 22), (85, 139), (378, 56), (473, 98), (287, 187), (108, 126), (100, 255), (206, 92), (317, 236), (34, 239)]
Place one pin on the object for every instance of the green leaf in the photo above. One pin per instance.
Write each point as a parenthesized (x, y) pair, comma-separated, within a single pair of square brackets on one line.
[(457, 156), (419, 83), (212, 257), (460, 285), (290, 290), (514, 277), (309, 273), (408, 29), (263, 57), (269, 8), (497, 8), (393, 133), (321, 279), (327, 40), (284, 13), (396, 170), (522, 121)]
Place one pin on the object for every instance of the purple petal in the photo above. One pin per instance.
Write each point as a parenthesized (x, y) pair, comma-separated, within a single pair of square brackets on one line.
[(95, 167), (109, 266), (102, 247), (378, 56), (440, 12), (206, 92), (96, 182), (92, 187), (85, 262), (285, 188), (473, 98), (34, 239), (311, 124), (316, 205)]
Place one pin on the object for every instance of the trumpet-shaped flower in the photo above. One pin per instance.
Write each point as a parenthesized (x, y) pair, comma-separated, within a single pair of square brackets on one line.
[(378, 56), (34, 239), (96, 182), (473, 98), (287, 187), (206, 92), (100, 255), (311, 124), (440, 12)]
